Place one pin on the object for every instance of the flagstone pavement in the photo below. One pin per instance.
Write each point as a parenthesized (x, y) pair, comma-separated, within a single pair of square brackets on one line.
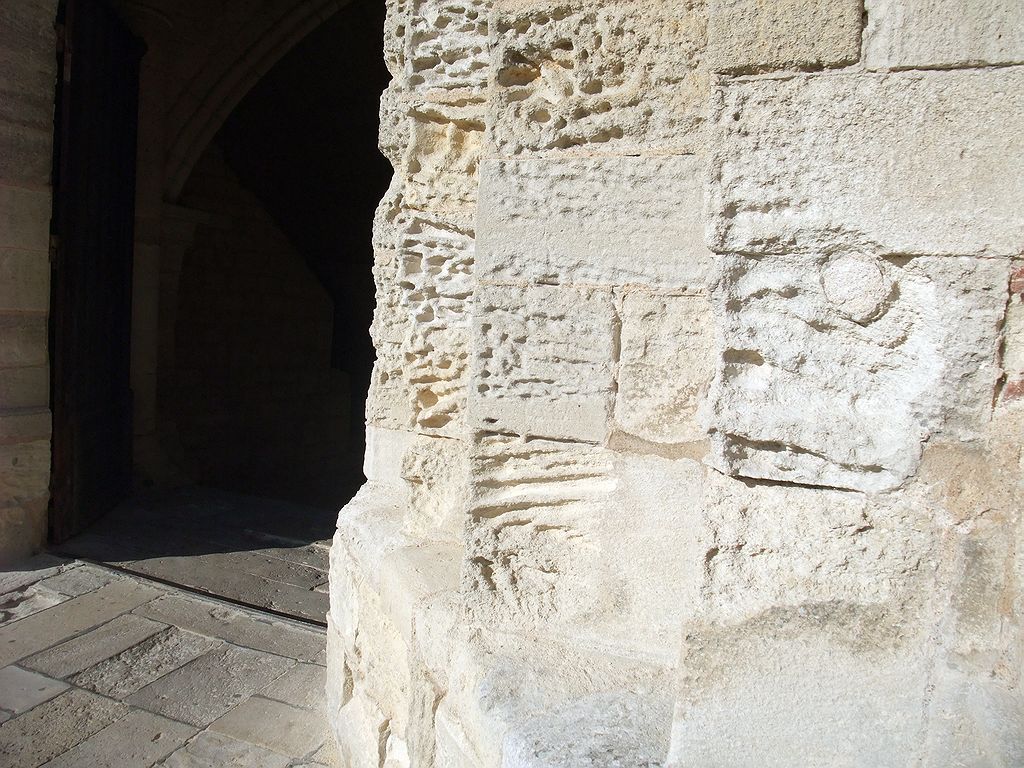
[(102, 669)]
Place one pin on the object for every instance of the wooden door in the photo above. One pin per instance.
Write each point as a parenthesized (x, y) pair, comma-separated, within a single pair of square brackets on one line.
[(93, 224)]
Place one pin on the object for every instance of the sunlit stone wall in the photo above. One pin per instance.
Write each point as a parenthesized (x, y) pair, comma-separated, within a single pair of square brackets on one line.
[(695, 432)]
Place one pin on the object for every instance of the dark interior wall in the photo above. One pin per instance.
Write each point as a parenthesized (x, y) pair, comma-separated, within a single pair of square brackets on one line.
[(256, 404), (304, 140), (273, 354)]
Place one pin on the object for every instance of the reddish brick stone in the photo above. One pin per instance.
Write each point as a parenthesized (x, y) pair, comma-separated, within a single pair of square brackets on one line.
[(1013, 390)]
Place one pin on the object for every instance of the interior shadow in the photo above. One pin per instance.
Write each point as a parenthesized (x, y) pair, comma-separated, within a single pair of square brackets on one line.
[(265, 369)]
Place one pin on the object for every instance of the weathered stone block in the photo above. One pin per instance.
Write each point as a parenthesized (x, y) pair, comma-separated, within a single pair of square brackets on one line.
[(546, 553), (835, 371), (908, 163), (768, 547), (435, 279), (666, 363), (24, 281), (26, 152), (607, 77), (443, 156), (543, 361), (447, 48), (23, 341), (25, 387), (751, 35), (25, 219), (932, 33), (604, 221), (800, 685)]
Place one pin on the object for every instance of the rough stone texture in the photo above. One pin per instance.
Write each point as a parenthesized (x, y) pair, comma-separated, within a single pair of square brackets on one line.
[(560, 222), (696, 429), (694, 432), (596, 78), (543, 361), (750, 35), (907, 163), (934, 33), (864, 359)]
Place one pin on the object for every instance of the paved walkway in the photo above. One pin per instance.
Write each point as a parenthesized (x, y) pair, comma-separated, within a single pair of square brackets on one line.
[(98, 669), (266, 553)]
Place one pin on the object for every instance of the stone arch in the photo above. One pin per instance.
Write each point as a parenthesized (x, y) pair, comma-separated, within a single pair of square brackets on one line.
[(202, 106)]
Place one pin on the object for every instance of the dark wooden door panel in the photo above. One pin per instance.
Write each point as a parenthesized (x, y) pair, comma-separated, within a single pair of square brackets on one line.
[(94, 211)]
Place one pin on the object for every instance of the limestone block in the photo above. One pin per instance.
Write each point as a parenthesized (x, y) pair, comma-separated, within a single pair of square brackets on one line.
[(906, 163), (800, 687), (25, 387), (543, 361), (24, 281), (26, 153), (750, 35), (394, 135), (28, 70), (25, 426), (609, 77), (604, 221), (443, 155), (531, 556), (435, 278), (447, 54), (25, 219), (931, 33), (666, 364), (436, 471), (572, 539), (519, 702), (834, 371), (775, 547), (23, 341), (396, 26)]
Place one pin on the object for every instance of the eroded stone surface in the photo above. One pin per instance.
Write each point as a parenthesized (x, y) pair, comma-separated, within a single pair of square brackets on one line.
[(931, 33), (907, 163), (694, 431), (603, 221), (748, 35), (543, 361), (612, 77), (863, 359)]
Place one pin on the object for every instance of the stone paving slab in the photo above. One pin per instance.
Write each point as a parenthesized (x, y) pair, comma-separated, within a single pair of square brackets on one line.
[(82, 652), (27, 600), (215, 750), (275, 725), (133, 669), (206, 688), (301, 686), (22, 689), (52, 728), (146, 670), (264, 633), (41, 630), (75, 582), (138, 738)]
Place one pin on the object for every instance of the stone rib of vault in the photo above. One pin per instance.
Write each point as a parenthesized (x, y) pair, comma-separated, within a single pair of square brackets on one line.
[(695, 432)]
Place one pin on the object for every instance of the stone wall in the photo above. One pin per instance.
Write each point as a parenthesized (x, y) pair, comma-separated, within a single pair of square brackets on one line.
[(248, 399), (694, 435), (28, 72)]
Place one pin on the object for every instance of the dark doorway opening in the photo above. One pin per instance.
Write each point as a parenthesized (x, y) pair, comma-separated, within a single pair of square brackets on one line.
[(265, 366)]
